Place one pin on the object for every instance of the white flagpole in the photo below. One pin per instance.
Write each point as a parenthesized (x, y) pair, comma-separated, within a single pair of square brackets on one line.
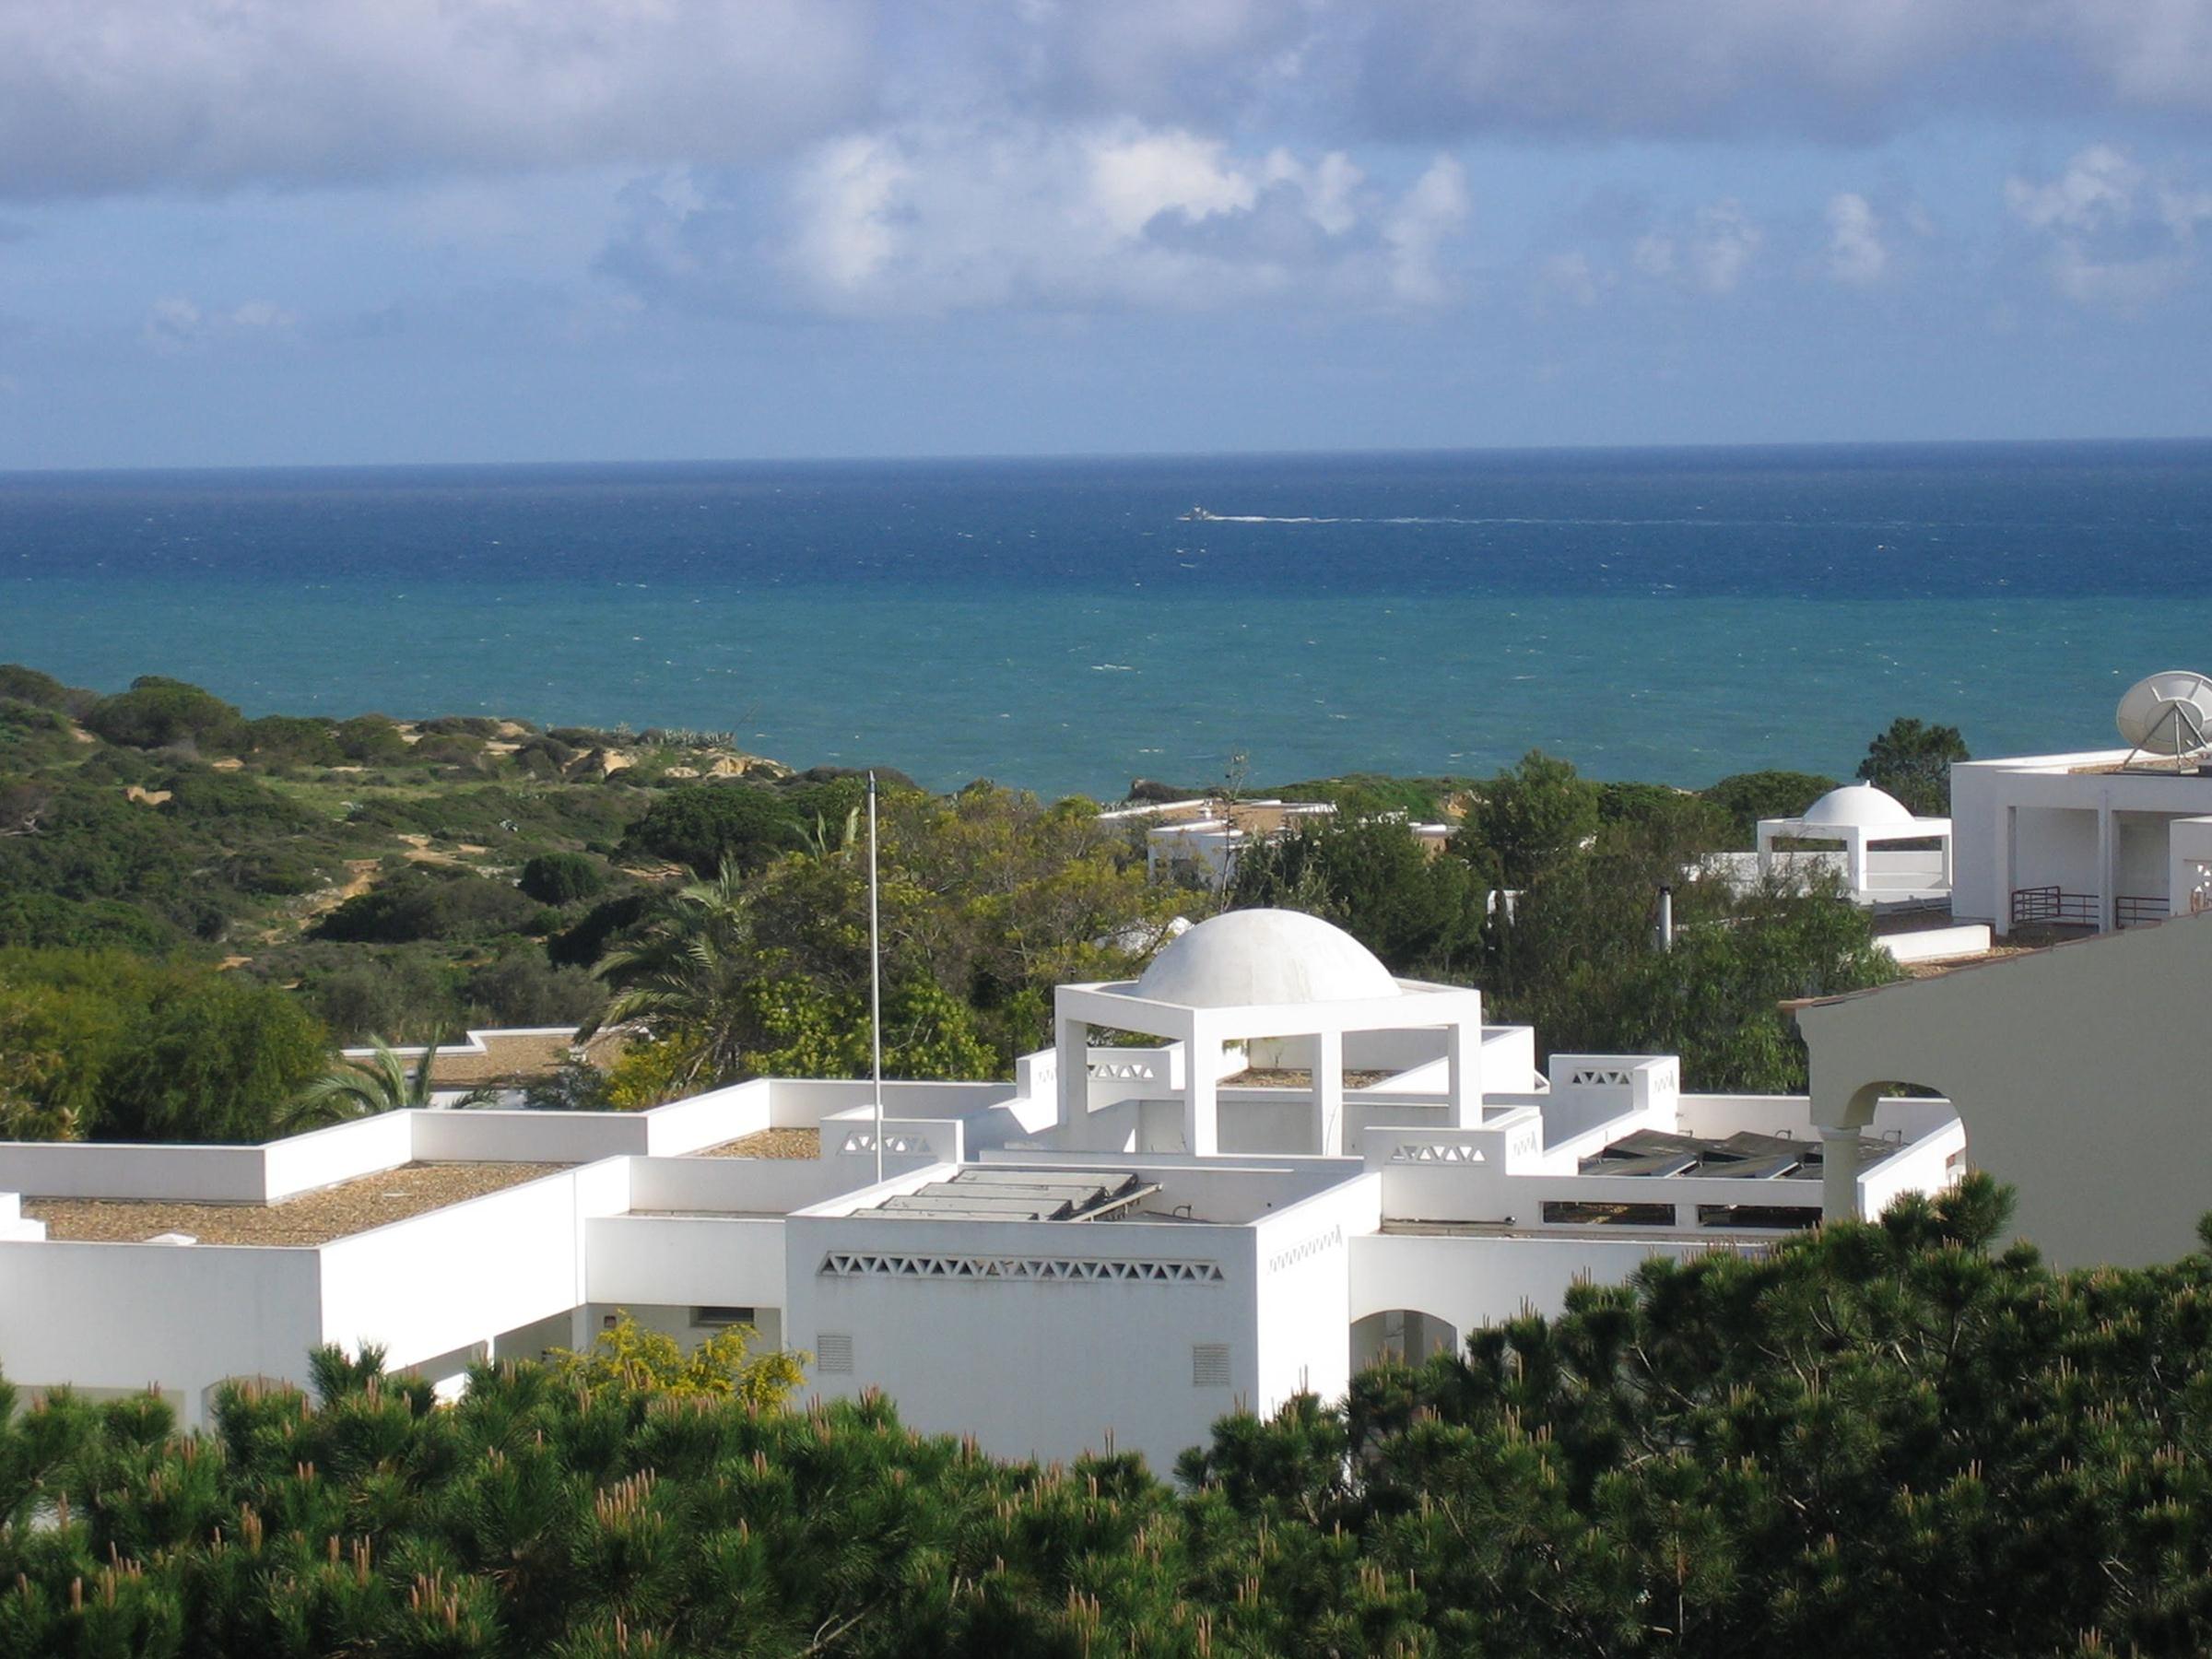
[(874, 980)]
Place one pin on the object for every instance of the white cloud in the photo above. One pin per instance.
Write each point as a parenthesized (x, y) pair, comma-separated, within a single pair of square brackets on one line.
[(1137, 179), (1710, 253), (261, 313), (2097, 191), (177, 323), (929, 218), (174, 324), (1723, 245), (1655, 254), (2116, 238), (121, 95), (1432, 213), (130, 95), (1856, 254), (1569, 276)]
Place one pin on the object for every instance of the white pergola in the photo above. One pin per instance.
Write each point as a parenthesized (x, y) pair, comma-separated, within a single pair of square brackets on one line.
[(1862, 817), (1224, 982)]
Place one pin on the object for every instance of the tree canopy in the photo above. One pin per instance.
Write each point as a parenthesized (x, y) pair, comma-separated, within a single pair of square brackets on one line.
[(1899, 1437), (1913, 761)]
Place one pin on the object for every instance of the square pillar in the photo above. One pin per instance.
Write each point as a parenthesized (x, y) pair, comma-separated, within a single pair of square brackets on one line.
[(1071, 1047), (1462, 1080), (1856, 855), (1329, 1093), (1201, 1110), (2008, 864), (1839, 1174), (2107, 856)]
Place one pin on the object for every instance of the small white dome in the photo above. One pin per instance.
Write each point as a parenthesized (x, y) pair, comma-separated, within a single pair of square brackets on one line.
[(1264, 958), (1861, 806)]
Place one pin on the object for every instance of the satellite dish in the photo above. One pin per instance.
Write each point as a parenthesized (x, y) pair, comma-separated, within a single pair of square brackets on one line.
[(2167, 713)]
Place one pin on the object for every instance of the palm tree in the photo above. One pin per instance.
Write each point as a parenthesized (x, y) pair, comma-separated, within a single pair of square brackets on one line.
[(685, 979), (364, 1087)]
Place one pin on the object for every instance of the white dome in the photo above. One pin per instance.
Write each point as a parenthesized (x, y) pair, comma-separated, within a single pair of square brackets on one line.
[(1264, 957), (1861, 806)]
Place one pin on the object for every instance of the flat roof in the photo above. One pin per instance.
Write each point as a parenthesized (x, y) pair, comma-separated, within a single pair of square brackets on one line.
[(990, 1193), (334, 1212), (793, 1144), (1745, 1155)]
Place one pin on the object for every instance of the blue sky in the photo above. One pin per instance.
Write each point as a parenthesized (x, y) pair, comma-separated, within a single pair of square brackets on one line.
[(262, 231)]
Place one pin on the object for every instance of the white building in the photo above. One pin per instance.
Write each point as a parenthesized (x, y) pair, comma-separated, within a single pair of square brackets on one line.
[(1314, 1164), (1200, 838), (1887, 853), (2101, 839), (2091, 840), (2078, 1071)]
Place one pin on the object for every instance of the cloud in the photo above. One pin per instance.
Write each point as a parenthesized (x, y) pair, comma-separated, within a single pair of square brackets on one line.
[(2116, 237), (1841, 70), (122, 95), (1858, 256), (1569, 277), (105, 96), (176, 322), (924, 219), (1710, 253), (1417, 228)]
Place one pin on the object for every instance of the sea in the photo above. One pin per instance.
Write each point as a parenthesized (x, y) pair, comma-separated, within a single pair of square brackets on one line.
[(1066, 627)]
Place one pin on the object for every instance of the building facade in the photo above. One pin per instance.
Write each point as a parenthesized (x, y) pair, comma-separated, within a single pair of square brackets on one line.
[(1308, 1164)]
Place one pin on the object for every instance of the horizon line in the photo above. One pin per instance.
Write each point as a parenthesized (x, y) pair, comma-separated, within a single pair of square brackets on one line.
[(1048, 457)]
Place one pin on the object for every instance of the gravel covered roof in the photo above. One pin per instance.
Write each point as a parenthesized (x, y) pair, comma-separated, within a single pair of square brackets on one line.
[(316, 1217)]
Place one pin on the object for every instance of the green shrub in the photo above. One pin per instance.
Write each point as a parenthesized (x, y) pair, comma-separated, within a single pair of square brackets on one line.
[(587, 942), (294, 740), (562, 878), (1748, 797), (402, 995), (370, 739), (156, 713), (278, 872), (419, 904), (232, 803), (705, 824), (449, 748), (466, 725), (524, 989), (28, 685), (44, 920)]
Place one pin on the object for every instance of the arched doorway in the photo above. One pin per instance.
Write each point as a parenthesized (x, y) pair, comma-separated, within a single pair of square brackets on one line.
[(1402, 1334)]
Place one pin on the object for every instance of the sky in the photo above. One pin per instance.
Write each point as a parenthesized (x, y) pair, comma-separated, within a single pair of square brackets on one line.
[(248, 232)]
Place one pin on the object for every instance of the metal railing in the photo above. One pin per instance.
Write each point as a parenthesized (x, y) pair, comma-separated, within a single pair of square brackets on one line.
[(2052, 907)]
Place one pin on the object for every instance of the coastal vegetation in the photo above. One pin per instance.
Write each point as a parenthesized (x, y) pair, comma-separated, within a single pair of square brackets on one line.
[(1902, 1437), (284, 884)]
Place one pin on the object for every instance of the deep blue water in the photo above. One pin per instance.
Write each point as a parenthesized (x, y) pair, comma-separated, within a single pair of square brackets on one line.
[(1659, 613)]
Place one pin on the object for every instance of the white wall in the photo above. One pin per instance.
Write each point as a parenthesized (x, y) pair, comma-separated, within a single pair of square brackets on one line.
[(1935, 944), (97, 1170), (708, 1120), (1303, 1258), (2077, 1072), (461, 1275), (1032, 1368), (328, 1157), (766, 1186), (182, 1316), (725, 1261), (2189, 866), (1477, 1281)]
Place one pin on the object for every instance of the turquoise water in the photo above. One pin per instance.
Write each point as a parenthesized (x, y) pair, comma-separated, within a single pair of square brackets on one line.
[(1672, 615)]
